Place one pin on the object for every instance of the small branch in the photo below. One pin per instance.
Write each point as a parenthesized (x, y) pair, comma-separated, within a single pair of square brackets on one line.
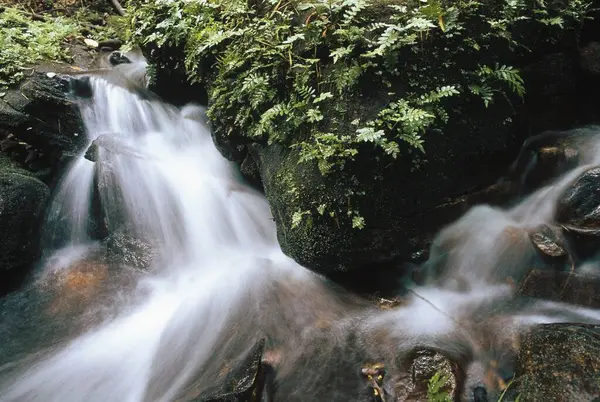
[(118, 7)]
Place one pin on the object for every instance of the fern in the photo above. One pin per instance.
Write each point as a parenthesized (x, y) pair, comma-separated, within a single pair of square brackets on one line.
[(291, 73), (435, 391)]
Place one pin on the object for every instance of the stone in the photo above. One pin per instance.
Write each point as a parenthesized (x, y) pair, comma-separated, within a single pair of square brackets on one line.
[(550, 241), (42, 114), (123, 248), (114, 44), (422, 366), (243, 383), (578, 206), (117, 58), (23, 200), (573, 288), (113, 143), (558, 362), (546, 156)]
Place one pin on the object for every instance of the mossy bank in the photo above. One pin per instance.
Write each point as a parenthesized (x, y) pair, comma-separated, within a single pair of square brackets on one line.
[(360, 117)]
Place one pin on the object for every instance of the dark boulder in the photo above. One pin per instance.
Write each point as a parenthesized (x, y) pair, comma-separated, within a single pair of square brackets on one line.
[(558, 362), (117, 58), (23, 199), (41, 113), (113, 44)]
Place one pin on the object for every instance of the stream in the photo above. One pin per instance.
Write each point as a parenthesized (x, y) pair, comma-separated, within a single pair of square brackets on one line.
[(217, 283)]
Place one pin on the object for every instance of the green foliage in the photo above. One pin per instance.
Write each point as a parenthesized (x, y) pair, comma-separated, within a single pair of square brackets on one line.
[(296, 72), (25, 42), (435, 389)]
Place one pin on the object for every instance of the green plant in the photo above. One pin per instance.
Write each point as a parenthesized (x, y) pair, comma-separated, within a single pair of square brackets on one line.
[(24, 42), (299, 73), (435, 388)]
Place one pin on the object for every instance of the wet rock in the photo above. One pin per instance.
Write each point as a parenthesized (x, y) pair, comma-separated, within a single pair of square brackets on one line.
[(574, 288), (23, 199), (423, 366), (504, 253), (41, 113), (91, 154), (75, 285), (125, 249), (114, 143), (117, 58), (81, 87), (546, 156), (578, 207), (558, 362), (243, 383), (113, 44), (480, 394), (549, 240), (250, 172)]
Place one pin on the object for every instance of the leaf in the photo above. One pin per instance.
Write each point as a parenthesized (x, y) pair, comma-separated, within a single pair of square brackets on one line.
[(341, 52), (358, 222), (369, 134)]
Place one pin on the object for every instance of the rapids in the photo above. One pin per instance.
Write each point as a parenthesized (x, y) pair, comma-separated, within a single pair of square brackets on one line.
[(220, 282)]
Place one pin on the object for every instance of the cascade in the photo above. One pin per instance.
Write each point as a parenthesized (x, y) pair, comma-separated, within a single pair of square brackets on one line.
[(218, 281)]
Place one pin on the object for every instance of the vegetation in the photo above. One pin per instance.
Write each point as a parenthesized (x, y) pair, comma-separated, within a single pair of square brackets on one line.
[(25, 40), (436, 389), (291, 71)]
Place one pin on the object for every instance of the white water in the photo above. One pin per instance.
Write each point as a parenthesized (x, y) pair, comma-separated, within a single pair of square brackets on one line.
[(221, 282)]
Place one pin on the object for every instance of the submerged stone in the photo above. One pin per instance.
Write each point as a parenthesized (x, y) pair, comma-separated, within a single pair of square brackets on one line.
[(125, 249), (243, 383)]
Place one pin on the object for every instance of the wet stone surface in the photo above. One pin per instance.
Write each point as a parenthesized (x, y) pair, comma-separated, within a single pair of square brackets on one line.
[(243, 383), (423, 365), (558, 362), (578, 206), (575, 288)]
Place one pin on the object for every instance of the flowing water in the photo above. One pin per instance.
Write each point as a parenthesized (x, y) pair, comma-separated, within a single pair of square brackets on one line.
[(219, 282)]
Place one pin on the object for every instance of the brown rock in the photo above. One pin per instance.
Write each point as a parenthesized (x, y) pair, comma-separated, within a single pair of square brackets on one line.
[(567, 287), (423, 365), (558, 363)]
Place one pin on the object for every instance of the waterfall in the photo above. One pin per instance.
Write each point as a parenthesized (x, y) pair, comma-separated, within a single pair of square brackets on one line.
[(219, 281)]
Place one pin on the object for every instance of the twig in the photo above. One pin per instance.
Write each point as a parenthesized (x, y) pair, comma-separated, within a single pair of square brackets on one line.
[(118, 7), (439, 310)]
